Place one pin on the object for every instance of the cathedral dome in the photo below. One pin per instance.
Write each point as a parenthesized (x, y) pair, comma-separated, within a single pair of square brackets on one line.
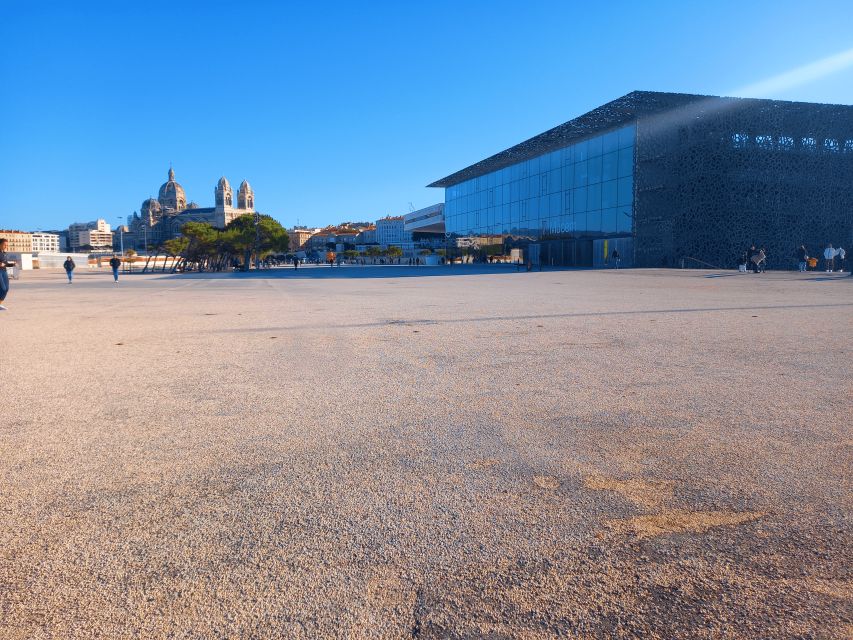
[(244, 187), (150, 205), (223, 182), (172, 194)]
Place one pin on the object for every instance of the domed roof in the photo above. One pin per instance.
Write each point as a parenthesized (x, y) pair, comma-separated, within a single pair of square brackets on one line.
[(171, 192), (245, 187), (151, 205), (223, 182)]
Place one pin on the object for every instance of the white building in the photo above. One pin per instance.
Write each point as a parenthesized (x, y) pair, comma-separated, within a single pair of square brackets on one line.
[(427, 220), (96, 234), (46, 242), (390, 231)]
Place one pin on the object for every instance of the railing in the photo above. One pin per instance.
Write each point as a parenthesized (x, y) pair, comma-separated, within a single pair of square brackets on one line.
[(702, 262)]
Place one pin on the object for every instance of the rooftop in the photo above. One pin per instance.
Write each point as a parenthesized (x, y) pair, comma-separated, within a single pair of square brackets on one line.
[(609, 116)]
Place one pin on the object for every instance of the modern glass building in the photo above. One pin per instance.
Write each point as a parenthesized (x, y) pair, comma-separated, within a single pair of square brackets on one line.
[(665, 178)]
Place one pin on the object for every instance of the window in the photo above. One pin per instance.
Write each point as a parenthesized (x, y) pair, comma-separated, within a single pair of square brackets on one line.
[(554, 181), (609, 164), (579, 200), (594, 146), (626, 161), (610, 142), (556, 205), (609, 194), (580, 175), (831, 144), (626, 137), (593, 221), (764, 142), (593, 167), (593, 196), (809, 144), (609, 220), (740, 140)]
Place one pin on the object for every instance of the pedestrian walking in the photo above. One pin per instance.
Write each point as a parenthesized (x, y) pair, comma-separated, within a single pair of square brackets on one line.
[(69, 266), (295, 262), (842, 259), (617, 259), (802, 257), (115, 263), (829, 258), (5, 263)]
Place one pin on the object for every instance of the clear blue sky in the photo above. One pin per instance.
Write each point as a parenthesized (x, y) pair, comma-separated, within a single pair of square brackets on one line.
[(345, 111)]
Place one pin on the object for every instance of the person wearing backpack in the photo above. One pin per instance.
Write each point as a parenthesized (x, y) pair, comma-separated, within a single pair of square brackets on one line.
[(69, 266), (115, 263)]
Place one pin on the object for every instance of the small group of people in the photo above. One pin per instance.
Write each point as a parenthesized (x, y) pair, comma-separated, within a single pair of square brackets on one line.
[(69, 265), (754, 260), (830, 254)]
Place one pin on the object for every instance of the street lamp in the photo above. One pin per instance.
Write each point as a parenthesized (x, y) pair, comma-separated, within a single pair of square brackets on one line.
[(257, 240), (121, 235)]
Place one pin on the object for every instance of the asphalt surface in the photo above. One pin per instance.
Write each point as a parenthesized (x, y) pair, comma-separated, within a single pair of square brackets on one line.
[(448, 452)]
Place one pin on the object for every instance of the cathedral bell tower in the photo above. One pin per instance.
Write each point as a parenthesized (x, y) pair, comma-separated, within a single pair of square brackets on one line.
[(224, 202), (246, 197)]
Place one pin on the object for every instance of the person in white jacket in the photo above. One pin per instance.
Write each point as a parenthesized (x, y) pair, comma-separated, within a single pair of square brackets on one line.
[(829, 258)]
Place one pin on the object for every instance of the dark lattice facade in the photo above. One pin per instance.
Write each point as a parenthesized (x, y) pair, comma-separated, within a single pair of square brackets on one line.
[(709, 177), (719, 174)]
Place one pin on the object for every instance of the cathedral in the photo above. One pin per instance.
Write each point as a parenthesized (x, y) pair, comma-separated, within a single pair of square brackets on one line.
[(161, 219)]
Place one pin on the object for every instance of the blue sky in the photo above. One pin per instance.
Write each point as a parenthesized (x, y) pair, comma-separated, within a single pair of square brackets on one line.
[(337, 111)]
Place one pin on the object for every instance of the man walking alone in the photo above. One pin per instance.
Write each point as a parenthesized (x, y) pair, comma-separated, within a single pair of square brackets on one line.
[(69, 265), (115, 263)]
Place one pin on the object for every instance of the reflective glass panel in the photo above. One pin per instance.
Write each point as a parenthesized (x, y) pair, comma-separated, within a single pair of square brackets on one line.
[(609, 162)]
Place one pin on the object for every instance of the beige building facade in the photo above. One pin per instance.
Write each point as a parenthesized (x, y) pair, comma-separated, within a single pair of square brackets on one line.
[(96, 234), (19, 241)]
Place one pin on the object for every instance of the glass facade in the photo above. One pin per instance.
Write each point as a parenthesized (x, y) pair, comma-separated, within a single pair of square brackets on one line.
[(585, 190)]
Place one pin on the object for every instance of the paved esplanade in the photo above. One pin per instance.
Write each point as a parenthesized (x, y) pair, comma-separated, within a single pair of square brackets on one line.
[(657, 454)]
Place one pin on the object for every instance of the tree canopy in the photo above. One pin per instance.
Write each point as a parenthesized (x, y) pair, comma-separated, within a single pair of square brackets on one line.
[(212, 248)]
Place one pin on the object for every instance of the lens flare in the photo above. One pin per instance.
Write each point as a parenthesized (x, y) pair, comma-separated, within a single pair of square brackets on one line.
[(772, 87)]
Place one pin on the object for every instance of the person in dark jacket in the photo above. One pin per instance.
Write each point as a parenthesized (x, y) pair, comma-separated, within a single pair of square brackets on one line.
[(5, 263), (69, 266), (617, 259), (750, 263), (115, 263), (802, 257)]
